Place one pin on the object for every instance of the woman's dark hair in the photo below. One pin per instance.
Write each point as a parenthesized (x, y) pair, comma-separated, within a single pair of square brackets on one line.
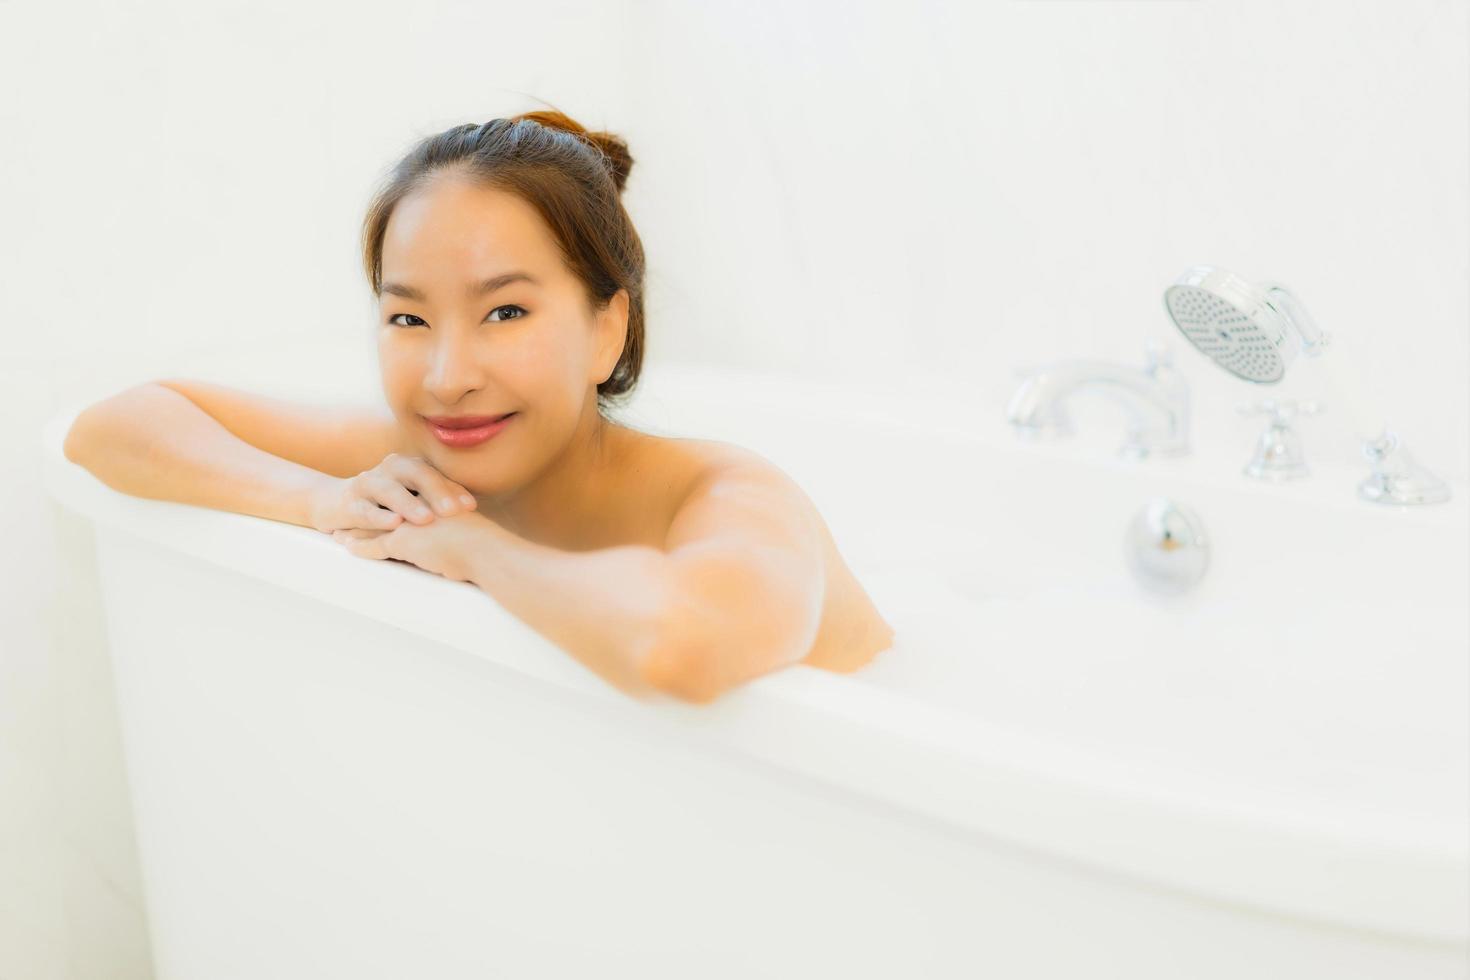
[(572, 177)]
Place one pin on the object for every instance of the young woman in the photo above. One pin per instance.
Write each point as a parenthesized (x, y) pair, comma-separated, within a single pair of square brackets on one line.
[(509, 279)]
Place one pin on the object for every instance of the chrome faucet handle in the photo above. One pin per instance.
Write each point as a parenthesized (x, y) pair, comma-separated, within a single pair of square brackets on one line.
[(1278, 454), (1397, 478), (1144, 438)]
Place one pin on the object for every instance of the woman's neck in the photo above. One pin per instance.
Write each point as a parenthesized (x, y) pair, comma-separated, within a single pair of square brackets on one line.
[(567, 501)]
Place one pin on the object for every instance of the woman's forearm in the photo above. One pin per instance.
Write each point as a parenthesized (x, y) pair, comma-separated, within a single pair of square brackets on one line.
[(151, 441), (603, 607)]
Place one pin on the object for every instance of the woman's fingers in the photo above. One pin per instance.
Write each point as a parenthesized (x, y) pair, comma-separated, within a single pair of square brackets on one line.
[(404, 488), (376, 515), (443, 494), (391, 492)]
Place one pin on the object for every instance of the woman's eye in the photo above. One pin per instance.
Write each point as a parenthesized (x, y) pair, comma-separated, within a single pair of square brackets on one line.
[(516, 317), (520, 312)]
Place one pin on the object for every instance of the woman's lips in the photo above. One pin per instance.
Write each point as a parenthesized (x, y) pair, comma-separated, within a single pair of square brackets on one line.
[(458, 435), (464, 421)]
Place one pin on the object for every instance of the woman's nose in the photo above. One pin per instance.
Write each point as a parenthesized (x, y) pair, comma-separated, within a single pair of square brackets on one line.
[(452, 370)]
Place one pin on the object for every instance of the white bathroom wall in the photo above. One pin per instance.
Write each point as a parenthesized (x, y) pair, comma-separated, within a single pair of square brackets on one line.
[(853, 189)]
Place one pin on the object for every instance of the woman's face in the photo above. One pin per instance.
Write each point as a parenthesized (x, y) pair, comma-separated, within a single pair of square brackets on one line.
[(480, 316)]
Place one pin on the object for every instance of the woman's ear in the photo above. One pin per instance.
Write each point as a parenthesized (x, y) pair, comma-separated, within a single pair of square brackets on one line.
[(612, 334)]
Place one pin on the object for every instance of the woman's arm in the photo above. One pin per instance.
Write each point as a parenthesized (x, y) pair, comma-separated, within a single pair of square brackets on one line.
[(151, 441), (606, 608), (738, 592), (603, 607)]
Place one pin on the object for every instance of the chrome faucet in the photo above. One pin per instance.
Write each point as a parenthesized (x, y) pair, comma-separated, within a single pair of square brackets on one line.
[(1278, 456), (1156, 398)]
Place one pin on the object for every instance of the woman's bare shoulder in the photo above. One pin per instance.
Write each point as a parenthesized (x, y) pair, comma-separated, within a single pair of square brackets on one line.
[(711, 454), (706, 461), (695, 462)]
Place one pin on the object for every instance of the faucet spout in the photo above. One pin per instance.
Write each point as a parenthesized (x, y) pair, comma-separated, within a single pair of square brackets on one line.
[(1155, 398)]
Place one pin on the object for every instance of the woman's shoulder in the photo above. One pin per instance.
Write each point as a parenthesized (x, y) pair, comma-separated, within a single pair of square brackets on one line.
[(672, 470), (698, 461), (695, 467)]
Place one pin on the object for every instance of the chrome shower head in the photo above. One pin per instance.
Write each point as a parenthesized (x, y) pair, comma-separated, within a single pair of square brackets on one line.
[(1253, 331)]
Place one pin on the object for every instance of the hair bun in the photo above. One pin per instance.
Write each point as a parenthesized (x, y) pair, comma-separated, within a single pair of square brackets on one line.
[(613, 147)]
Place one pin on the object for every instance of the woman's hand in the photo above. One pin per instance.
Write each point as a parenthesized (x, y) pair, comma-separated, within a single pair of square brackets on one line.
[(395, 490), (442, 546)]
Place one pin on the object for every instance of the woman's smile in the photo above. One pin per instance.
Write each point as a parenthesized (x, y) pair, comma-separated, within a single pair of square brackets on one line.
[(458, 437)]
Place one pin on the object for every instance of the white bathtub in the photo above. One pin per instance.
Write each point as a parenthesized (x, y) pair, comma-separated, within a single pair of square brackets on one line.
[(355, 769)]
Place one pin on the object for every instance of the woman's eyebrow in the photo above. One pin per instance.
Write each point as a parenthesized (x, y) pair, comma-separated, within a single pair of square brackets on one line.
[(476, 289)]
